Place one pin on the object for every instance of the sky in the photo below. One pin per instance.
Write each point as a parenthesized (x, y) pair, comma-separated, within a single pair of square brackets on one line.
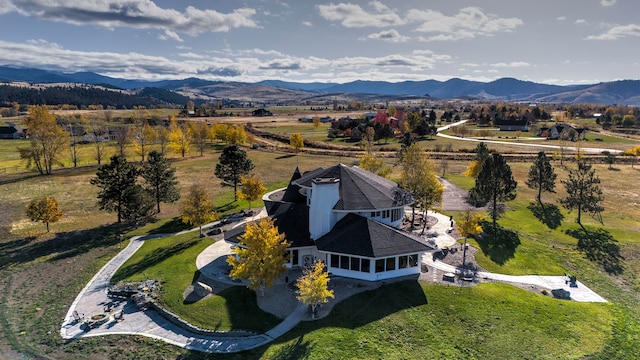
[(559, 42)]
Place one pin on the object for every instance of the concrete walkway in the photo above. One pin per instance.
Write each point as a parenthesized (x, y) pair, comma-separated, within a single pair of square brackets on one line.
[(91, 300)]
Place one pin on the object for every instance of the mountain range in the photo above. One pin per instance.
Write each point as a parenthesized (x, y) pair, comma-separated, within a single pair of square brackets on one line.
[(623, 92)]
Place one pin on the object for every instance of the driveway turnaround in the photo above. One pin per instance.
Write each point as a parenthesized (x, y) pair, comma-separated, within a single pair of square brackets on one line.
[(91, 301)]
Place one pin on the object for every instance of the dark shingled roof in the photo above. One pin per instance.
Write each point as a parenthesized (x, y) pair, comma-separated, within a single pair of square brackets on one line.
[(360, 189), (292, 220), (292, 194), (357, 235)]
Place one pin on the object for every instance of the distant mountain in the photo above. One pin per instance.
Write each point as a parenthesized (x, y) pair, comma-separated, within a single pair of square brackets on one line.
[(625, 92)]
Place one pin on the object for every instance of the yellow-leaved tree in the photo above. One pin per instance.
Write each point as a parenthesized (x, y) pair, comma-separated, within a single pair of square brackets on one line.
[(313, 286), (45, 210), (296, 141), (197, 208), (260, 256), (374, 164), (47, 140), (251, 189), (180, 138), (469, 224)]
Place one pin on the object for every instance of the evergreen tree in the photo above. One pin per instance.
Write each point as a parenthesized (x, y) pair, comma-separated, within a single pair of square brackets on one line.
[(541, 176), (583, 192), (160, 178), (495, 183), (232, 165), (117, 183)]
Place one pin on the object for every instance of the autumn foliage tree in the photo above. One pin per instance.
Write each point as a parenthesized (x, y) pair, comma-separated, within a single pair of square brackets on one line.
[(251, 189), (47, 140), (197, 208), (313, 286), (296, 141), (180, 138), (419, 177), (45, 210), (260, 256), (469, 224)]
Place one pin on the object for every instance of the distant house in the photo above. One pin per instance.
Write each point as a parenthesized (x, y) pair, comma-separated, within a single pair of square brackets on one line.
[(347, 217), (308, 119), (564, 131), (521, 124), (9, 132), (261, 112)]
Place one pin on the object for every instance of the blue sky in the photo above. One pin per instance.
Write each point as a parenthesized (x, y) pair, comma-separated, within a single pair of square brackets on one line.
[(548, 41)]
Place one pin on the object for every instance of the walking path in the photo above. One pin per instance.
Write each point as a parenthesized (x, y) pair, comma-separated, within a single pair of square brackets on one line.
[(92, 299)]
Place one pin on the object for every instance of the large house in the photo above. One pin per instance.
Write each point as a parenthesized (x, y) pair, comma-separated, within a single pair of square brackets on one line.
[(347, 217)]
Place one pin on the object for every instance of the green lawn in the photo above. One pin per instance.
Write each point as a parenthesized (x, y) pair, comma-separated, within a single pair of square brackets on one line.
[(171, 260)]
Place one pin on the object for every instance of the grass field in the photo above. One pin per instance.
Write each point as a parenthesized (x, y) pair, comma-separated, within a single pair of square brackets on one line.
[(41, 273)]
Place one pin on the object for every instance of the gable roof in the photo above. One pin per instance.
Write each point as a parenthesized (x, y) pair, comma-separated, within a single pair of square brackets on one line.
[(8, 130), (360, 236), (359, 189)]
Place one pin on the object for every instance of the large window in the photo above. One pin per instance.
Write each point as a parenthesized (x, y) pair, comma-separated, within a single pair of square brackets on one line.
[(335, 261), (403, 261), (350, 263), (293, 255), (391, 264), (413, 260), (344, 262), (379, 265), (355, 264), (365, 265)]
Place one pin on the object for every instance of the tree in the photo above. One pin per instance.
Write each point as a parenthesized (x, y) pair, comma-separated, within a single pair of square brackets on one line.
[(541, 176), (316, 122), (232, 165), (296, 141), (47, 140), (162, 138), (609, 158), (145, 135), (482, 152), (251, 189), (98, 137), (122, 135), (117, 183), (236, 135), (469, 224), (260, 256), (161, 182), (374, 164), (368, 140), (419, 177), (45, 210), (197, 208), (201, 133), (180, 138), (583, 193), (313, 286), (495, 183)]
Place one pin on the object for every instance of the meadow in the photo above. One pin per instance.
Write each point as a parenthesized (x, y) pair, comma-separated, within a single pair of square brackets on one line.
[(41, 273)]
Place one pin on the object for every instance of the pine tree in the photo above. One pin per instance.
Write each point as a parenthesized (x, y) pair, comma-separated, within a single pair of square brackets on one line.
[(541, 176), (117, 182), (583, 193), (232, 165), (160, 178), (495, 183)]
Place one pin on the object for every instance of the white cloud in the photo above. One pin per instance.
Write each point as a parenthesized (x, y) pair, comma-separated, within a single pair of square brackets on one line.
[(513, 64), (618, 32), (389, 35), (307, 23), (467, 23), (561, 18), (168, 34), (580, 21), (608, 2), (353, 16), (141, 14)]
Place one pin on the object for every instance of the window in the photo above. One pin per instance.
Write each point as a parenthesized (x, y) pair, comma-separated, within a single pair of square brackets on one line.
[(396, 214), (413, 260), (344, 262), (294, 257), (365, 265), (391, 264), (385, 214), (355, 264), (335, 261), (373, 214), (403, 262), (379, 265)]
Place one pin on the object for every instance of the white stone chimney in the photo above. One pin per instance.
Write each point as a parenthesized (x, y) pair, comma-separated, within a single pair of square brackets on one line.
[(325, 193)]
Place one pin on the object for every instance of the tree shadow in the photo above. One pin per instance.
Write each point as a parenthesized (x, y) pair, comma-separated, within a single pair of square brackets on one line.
[(498, 244), (285, 156), (600, 247), (548, 214), (62, 246), (152, 258), (300, 349), (173, 226), (242, 307), (227, 207)]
